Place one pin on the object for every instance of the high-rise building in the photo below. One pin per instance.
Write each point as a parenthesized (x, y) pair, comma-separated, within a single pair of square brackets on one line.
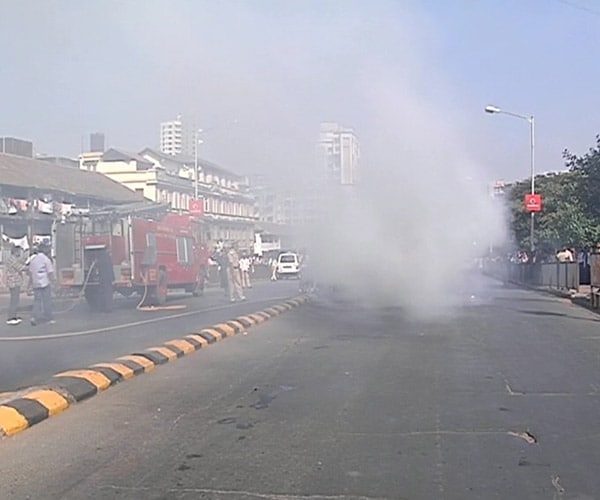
[(176, 138), (171, 137), (97, 142), (339, 153)]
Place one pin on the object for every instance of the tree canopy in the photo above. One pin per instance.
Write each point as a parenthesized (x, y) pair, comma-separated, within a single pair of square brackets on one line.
[(571, 204)]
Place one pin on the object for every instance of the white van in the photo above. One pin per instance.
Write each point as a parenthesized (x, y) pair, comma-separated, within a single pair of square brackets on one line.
[(288, 265)]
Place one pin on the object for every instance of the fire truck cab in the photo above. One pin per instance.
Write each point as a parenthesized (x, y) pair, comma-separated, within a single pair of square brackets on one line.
[(147, 256)]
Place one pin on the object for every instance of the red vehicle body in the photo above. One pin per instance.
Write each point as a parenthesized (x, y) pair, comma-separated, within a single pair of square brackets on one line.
[(148, 257)]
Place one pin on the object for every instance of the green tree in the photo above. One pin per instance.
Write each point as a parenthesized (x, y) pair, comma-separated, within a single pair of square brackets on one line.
[(563, 220), (588, 168), (571, 204)]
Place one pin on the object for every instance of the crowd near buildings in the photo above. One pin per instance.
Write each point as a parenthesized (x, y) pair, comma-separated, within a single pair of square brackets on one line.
[(39, 193)]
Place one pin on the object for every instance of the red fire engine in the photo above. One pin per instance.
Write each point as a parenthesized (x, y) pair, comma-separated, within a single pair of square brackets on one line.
[(136, 255)]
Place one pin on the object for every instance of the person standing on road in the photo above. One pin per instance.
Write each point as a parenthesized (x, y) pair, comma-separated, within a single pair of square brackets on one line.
[(41, 271), (220, 257), (15, 266), (245, 265), (106, 278), (235, 283), (273, 269)]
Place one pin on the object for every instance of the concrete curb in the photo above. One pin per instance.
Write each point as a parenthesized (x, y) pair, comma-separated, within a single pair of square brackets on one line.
[(32, 405)]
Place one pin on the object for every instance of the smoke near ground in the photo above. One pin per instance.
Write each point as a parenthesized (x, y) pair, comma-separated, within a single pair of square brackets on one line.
[(420, 214)]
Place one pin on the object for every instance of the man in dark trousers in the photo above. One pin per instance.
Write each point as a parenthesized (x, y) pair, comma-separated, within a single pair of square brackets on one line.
[(220, 257), (41, 271), (15, 265), (106, 278)]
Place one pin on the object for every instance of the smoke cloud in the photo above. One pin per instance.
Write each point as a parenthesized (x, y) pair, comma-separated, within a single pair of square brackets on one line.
[(421, 213)]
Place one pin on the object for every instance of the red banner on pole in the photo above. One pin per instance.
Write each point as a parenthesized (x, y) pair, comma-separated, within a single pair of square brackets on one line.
[(533, 202), (197, 207)]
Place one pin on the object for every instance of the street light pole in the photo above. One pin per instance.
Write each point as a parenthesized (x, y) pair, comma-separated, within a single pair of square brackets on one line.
[(196, 174), (531, 120), (195, 165), (197, 141), (532, 158)]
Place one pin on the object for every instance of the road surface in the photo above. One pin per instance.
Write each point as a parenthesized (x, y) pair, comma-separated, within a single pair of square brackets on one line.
[(29, 355), (335, 400)]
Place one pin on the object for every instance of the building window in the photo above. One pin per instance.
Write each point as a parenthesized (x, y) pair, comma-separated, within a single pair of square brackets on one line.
[(185, 250), (149, 257)]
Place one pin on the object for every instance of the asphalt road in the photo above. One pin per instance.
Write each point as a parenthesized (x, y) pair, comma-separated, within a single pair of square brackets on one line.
[(335, 400), (29, 355)]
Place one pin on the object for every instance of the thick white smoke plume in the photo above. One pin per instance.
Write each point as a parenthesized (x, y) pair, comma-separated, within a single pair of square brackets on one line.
[(403, 235)]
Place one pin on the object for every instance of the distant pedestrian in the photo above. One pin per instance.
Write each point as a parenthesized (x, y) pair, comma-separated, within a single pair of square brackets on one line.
[(307, 279), (203, 269), (220, 257), (15, 267), (245, 267), (106, 278), (273, 269), (235, 280), (564, 255), (41, 271)]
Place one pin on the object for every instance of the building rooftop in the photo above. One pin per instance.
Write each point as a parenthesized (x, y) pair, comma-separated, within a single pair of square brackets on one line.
[(114, 154), (189, 161), (27, 173)]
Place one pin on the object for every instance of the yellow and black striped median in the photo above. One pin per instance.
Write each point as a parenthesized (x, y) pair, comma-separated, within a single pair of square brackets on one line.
[(32, 405)]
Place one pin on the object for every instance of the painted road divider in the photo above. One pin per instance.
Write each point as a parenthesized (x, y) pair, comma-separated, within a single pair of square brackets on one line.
[(35, 404)]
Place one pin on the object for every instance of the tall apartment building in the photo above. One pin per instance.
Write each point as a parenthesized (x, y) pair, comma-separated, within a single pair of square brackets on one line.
[(339, 153), (176, 138), (97, 142), (171, 137)]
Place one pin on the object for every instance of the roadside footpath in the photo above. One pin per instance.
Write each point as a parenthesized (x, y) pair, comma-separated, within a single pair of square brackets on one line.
[(581, 297), (64, 302)]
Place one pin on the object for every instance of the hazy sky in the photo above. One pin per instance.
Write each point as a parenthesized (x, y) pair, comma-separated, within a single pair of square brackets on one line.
[(280, 67)]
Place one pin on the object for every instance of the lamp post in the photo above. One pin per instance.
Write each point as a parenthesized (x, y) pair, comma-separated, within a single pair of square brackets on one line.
[(197, 141), (531, 120)]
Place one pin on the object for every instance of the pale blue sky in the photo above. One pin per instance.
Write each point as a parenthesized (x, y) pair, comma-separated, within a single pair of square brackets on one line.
[(280, 67)]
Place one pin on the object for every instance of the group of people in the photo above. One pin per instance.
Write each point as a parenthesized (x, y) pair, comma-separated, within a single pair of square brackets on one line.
[(36, 272), (563, 254), (234, 271)]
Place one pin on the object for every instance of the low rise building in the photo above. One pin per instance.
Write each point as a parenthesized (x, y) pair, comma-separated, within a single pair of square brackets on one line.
[(37, 199), (229, 210)]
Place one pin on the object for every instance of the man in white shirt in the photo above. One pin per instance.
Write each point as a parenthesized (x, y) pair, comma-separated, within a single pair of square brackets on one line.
[(245, 265), (564, 255), (41, 271)]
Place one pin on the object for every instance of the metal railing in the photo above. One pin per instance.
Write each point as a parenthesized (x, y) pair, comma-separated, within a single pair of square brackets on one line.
[(555, 275)]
